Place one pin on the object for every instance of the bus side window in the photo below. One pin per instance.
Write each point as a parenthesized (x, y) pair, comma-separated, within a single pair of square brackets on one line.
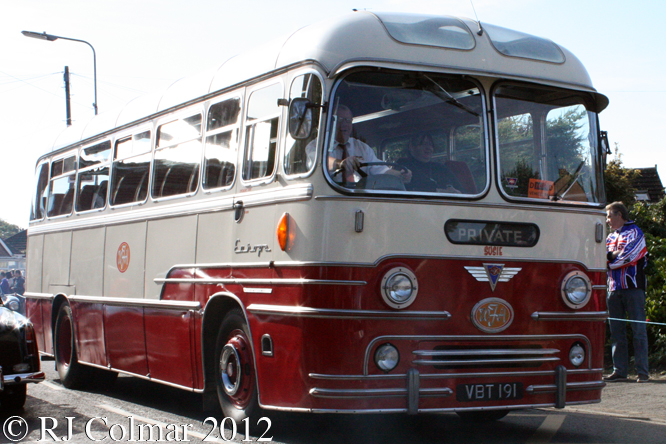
[(41, 188), (221, 144), (300, 154), (177, 157), (263, 118), (61, 187), (129, 181), (93, 177)]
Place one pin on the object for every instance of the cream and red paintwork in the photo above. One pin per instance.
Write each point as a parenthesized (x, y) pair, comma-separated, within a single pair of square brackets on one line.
[(149, 284)]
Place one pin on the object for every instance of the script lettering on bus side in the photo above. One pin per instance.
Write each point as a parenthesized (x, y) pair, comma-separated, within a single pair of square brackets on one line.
[(249, 248)]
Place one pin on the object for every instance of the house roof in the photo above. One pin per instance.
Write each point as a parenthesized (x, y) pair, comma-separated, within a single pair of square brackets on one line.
[(649, 182), (4, 250), (16, 244)]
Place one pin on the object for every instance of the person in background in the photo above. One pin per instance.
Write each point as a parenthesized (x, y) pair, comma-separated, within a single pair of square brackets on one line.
[(19, 283), (4, 283), (627, 258)]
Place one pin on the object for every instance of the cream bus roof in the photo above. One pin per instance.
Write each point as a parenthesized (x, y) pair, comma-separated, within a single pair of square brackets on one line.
[(384, 39)]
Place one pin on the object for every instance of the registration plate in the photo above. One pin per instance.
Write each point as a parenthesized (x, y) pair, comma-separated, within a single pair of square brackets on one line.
[(497, 391)]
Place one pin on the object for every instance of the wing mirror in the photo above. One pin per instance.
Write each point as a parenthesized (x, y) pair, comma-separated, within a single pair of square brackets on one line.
[(300, 118)]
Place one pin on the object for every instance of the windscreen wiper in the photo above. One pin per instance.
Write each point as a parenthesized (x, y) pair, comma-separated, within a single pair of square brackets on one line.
[(448, 98), (570, 183)]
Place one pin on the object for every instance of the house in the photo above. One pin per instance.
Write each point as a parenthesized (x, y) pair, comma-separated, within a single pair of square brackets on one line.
[(648, 185), (12, 252)]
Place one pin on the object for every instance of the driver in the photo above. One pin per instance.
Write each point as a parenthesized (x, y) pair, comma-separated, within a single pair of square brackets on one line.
[(347, 153)]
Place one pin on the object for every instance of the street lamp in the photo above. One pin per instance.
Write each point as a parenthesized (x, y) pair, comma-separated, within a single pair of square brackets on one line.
[(51, 38)]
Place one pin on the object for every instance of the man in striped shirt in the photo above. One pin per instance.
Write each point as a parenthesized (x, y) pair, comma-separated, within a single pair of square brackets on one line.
[(627, 257)]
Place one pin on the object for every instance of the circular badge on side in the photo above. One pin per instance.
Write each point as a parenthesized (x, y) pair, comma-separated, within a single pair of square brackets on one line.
[(492, 315), (123, 257)]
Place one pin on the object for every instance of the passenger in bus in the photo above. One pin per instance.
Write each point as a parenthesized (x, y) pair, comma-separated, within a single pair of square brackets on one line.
[(428, 175), (347, 154)]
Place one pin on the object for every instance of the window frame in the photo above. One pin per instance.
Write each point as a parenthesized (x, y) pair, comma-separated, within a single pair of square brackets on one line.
[(180, 115), (596, 160), (318, 129), (245, 127), (45, 192), (237, 127), (62, 156), (80, 171), (119, 138)]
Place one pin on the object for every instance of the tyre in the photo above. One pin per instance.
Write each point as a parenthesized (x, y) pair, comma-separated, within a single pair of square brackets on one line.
[(72, 374), (483, 416), (235, 375), (13, 397)]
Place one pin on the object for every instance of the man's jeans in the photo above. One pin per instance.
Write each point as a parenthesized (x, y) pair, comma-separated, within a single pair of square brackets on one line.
[(631, 301)]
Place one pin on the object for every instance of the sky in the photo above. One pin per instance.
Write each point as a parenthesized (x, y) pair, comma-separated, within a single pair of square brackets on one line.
[(143, 46)]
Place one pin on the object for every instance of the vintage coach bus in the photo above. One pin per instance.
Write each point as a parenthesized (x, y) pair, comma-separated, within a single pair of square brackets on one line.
[(210, 238)]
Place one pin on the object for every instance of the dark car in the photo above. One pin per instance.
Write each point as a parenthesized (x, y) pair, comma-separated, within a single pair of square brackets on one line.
[(19, 358)]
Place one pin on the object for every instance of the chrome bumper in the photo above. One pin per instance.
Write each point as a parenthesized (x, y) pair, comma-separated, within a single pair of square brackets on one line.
[(23, 378)]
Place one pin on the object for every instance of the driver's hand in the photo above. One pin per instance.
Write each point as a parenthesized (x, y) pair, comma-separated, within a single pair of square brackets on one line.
[(351, 163)]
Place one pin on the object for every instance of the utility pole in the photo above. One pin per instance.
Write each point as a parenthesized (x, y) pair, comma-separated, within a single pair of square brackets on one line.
[(68, 108)]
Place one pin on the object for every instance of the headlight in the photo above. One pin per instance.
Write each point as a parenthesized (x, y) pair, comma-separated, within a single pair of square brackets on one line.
[(577, 354), (399, 287), (13, 305), (387, 357), (576, 289)]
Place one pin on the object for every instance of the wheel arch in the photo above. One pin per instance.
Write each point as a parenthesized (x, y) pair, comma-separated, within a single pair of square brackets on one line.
[(216, 309)]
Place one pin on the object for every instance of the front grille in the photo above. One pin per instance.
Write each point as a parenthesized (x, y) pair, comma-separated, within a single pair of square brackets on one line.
[(448, 357)]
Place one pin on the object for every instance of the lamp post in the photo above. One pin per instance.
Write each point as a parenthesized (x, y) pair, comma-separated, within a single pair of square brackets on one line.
[(51, 38)]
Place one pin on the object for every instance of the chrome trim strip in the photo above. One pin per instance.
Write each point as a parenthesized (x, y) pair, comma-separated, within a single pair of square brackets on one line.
[(357, 393), (183, 206), (250, 281), (432, 392), (257, 290), (309, 312), (136, 302), (599, 287), (451, 375), (485, 361), (443, 338), (130, 302), (28, 295), (570, 316), (450, 202), (571, 386), (269, 264), (147, 378), (498, 352), (23, 378), (376, 393)]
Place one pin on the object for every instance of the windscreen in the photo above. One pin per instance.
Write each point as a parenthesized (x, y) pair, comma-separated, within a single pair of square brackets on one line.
[(547, 145), (407, 133)]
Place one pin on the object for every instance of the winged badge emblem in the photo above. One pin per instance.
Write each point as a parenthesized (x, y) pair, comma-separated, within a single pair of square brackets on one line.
[(493, 273)]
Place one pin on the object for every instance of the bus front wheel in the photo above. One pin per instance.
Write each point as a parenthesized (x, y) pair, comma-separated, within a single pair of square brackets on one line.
[(235, 376)]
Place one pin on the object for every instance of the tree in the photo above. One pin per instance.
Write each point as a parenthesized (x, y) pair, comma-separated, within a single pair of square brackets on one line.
[(618, 181), (7, 229)]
